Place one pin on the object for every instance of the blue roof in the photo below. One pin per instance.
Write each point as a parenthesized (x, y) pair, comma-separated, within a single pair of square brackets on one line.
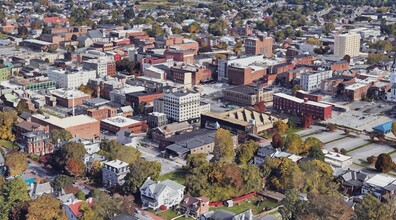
[(386, 127)]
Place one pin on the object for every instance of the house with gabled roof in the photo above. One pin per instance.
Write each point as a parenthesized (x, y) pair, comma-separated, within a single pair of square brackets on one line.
[(161, 195)]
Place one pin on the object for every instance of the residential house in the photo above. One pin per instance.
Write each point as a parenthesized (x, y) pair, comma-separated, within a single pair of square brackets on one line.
[(113, 173), (161, 195), (39, 189), (337, 159), (376, 184), (194, 206), (72, 208), (352, 181)]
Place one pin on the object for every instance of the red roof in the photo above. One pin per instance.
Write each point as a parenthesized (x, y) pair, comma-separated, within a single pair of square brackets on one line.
[(75, 207), (54, 19)]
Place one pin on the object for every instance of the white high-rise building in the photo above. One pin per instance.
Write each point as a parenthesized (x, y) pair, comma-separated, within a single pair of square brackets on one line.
[(312, 81), (69, 79), (391, 96), (347, 44), (182, 106)]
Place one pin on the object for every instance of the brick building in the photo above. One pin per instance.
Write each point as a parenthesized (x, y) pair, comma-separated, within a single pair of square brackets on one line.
[(118, 123), (198, 74), (247, 95), (185, 56), (259, 46), (102, 112), (305, 95), (137, 98), (238, 75), (36, 142), (81, 126), (111, 68), (282, 67), (302, 59), (69, 98), (340, 65), (296, 106)]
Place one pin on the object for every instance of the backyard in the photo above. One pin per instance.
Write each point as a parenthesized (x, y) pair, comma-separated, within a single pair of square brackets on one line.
[(8, 144), (255, 203), (177, 176)]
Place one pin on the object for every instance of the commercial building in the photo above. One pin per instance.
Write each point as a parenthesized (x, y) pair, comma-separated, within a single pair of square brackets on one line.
[(197, 74), (166, 131), (69, 98), (337, 159), (5, 71), (259, 46), (71, 78), (347, 44), (34, 84), (248, 95), (143, 97), (241, 75), (240, 121), (182, 106), (312, 81), (102, 112), (165, 194), (292, 105), (118, 123), (157, 119), (114, 172), (197, 141), (81, 126)]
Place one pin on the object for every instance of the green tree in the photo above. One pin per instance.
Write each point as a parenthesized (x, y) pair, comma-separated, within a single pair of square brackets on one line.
[(14, 192), (294, 144), (46, 207), (87, 212), (252, 179), (60, 182), (384, 163), (22, 106), (217, 27), (375, 58), (318, 176), (104, 207), (277, 141), (16, 163), (223, 147), (281, 126), (373, 208), (295, 89), (311, 142), (73, 150), (316, 153), (60, 135), (292, 205), (246, 152), (139, 171), (283, 174), (75, 167), (194, 28), (394, 128), (128, 154)]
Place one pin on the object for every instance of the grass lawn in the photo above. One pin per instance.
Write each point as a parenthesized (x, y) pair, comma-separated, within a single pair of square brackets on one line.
[(3, 36), (52, 113), (168, 214), (8, 144), (177, 176), (294, 130), (253, 203)]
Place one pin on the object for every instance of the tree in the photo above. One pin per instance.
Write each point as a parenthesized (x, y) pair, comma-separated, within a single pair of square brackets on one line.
[(376, 58), (347, 58), (312, 142), (371, 159), (294, 144), (295, 89), (23, 106), (331, 127), (260, 107), (46, 207), (292, 205), (129, 14), (384, 163), (318, 176), (75, 167), (281, 126), (52, 48), (194, 28), (104, 207), (60, 182), (128, 154), (373, 208), (86, 89), (394, 128), (60, 135), (86, 211), (23, 31), (326, 206), (283, 174), (217, 27), (223, 147), (246, 152), (329, 27), (139, 171), (16, 163), (316, 153), (313, 41), (277, 141), (14, 192), (73, 150), (7, 120), (307, 120)]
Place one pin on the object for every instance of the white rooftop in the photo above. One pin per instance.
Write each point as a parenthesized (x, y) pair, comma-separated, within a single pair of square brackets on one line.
[(120, 121), (286, 96), (380, 180), (68, 93), (335, 156), (116, 163), (66, 122)]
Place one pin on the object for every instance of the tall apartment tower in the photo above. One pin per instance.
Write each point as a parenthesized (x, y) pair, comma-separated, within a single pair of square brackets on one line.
[(347, 44), (259, 46)]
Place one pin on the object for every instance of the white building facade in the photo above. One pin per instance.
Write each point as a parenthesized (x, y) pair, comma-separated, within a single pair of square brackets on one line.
[(70, 79), (182, 106), (312, 81), (391, 95), (114, 172), (347, 44)]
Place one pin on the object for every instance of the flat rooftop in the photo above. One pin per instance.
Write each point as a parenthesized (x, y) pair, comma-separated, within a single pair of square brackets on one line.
[(116, 163), (65, 122), (120, 121), (68, 94)]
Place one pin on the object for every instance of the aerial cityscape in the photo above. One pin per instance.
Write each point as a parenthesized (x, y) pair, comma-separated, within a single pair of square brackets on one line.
[(198, 109)]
